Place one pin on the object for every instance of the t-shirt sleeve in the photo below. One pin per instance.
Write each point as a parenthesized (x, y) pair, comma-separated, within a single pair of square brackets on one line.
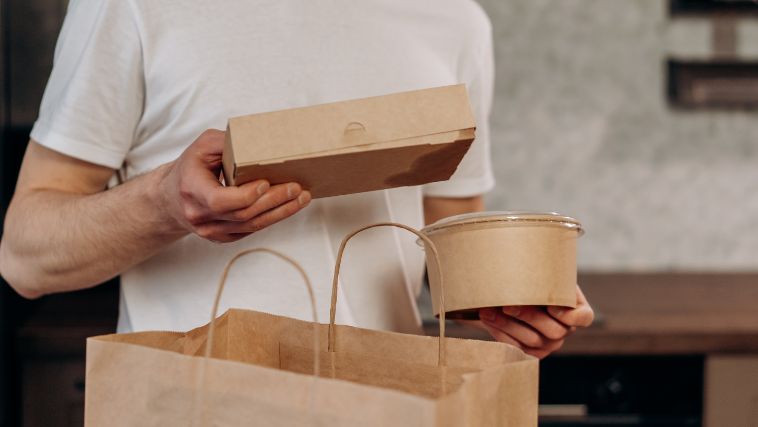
[(94, 97), (474, 174)]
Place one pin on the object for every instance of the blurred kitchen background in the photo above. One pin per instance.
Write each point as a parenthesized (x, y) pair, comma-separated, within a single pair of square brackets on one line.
[(638, 117)]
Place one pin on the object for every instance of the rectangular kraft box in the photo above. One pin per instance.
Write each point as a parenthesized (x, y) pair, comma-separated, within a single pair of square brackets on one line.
[(402, 139)]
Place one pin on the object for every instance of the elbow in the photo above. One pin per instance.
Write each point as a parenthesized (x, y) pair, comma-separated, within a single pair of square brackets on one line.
[(13, 272), (27, 292)]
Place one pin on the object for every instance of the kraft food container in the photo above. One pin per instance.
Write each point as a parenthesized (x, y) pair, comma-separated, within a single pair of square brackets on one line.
[(388, 141), (493, 259)]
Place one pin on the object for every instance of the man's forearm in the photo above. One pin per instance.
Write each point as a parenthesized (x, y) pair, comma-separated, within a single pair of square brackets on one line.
[(57, 241), (436, 208)]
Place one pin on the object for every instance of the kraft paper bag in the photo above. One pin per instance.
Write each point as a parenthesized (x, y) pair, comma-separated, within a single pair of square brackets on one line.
[(395, 140), (259, 371)]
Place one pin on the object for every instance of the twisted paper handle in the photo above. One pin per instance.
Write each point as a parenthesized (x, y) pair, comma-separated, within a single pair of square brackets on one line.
[(220, 290), (199, 408), (441, 358)]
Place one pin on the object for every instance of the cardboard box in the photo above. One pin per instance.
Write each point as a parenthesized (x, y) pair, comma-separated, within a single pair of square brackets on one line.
[(494, 259), (403, 139)]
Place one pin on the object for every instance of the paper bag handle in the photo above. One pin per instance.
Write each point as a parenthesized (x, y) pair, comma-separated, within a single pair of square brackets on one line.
[(220, 290), (441, 358)]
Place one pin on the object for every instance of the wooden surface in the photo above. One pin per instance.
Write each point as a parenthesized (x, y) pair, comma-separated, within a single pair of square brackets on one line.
[(636, 314), (670, 313), (666, 313)]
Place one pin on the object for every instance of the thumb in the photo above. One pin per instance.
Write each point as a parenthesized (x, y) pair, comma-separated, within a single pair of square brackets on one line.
[(581, 316), (209, 146)]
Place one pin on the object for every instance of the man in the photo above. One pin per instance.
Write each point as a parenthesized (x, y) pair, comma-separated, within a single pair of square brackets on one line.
[(135, 82)]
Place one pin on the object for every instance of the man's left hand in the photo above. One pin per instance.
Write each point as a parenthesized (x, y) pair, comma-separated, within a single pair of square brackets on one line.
[(537, 330)]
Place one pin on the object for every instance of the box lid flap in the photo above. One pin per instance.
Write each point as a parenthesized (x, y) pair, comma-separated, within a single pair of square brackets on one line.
[(360, 122)]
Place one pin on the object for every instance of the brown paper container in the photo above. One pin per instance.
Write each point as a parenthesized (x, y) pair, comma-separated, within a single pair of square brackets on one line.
[(493, 259), (396, 140)]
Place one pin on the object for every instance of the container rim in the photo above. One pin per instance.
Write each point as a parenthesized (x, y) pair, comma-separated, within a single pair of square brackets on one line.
[(492, 217)]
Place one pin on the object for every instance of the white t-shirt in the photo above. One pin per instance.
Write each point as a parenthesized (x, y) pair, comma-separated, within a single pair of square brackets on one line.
[(135, 82)]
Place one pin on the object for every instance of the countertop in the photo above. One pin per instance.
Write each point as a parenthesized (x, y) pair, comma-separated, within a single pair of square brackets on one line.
[(663, 313)]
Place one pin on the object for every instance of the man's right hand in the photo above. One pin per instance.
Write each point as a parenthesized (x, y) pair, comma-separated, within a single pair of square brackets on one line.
[(65, 230), (197, 202)]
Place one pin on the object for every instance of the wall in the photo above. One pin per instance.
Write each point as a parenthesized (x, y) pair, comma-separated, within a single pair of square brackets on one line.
[(581, 126)]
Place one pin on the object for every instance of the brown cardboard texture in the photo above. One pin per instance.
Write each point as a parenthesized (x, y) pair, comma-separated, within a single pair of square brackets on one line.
[(505, 258), (731, 390), (250, 368), (402, 139), (261, 374)]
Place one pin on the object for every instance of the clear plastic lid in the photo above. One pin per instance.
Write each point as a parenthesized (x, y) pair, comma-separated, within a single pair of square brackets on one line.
[(515, 217)]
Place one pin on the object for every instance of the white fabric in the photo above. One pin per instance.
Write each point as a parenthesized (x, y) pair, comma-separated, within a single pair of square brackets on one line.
[(136, 81)]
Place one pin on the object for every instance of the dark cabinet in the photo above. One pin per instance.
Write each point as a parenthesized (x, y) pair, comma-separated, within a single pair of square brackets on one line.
[(53, 393), (48, 360), (624, 390)]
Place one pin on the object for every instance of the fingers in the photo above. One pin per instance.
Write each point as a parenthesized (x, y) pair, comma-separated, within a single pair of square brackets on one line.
[(195, 200), (545, 351), (501, 336), (222, 228), (219, 200), (213, 201), (539, 319), (581, 316), (512, 331), (283, 211), (270, 199), (538, 331), (276, 204), (203, 196), (227, 231), (520, 331)]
